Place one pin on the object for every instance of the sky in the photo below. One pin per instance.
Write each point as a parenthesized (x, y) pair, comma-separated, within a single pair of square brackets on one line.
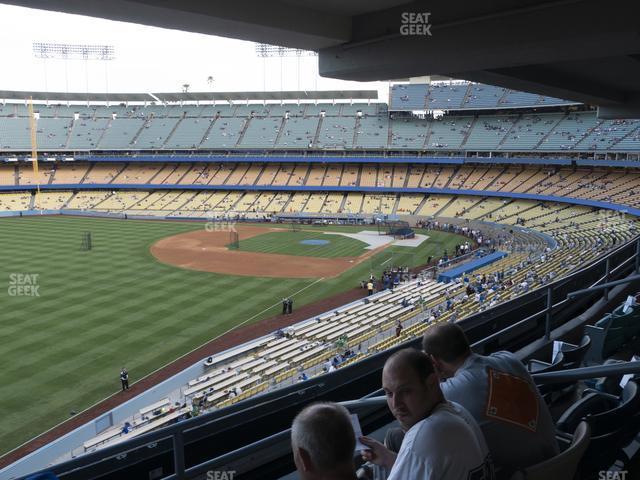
[(148, 59)]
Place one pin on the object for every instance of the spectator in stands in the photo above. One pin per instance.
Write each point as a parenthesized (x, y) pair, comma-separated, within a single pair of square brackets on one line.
[(499, 393), (323, 443), (442, 439), (398, 328), (370, 287), (124, 379)]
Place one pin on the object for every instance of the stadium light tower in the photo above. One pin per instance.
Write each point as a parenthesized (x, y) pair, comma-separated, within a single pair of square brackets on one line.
[(264, 51), (69, 51)]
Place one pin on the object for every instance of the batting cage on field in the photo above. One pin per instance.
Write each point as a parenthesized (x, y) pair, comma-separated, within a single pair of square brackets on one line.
[(234, 240)]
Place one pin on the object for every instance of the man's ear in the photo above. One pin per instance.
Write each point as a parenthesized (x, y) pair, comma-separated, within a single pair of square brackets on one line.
[(437, 364), (305, 460)]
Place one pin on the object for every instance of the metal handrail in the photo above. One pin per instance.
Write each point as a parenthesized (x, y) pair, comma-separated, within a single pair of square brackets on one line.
[(587, 372), (584, 291)]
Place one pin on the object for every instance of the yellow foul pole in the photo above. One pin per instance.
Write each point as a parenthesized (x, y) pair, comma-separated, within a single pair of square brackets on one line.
[(34, 150)]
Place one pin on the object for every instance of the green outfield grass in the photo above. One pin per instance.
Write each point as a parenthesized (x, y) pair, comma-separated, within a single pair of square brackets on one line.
[(288, 243), (97, 311)]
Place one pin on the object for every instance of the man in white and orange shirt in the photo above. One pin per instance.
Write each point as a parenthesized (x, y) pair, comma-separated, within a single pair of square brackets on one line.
[(499, 393)]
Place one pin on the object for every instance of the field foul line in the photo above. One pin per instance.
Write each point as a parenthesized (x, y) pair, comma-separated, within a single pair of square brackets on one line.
[(387, 260), (151, 373)]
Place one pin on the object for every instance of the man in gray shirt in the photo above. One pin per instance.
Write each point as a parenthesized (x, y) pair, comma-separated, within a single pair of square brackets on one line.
[(499, 393)]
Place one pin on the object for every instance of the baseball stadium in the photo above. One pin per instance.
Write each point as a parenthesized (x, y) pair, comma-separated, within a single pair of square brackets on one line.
[(184, 272)]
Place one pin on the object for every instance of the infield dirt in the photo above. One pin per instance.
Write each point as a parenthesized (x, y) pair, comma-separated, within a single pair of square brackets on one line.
[(207, 251)]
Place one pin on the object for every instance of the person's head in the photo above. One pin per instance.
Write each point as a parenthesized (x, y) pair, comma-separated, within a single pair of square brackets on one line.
[(323, 442), (447, 346), (411, 386)]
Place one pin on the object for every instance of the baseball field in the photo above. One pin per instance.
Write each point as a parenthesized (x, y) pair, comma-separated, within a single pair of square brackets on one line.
[(146, 293)]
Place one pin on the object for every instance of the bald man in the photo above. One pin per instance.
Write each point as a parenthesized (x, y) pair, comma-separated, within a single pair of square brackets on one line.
[(442, 440), (323, 443)]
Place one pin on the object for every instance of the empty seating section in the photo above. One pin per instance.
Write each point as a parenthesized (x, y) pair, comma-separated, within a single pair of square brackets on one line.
[(433, 204), (607, 133), (8, 174), (315, 202), (316, 174), (569, 131), (459, 206), (299, 175), (86, 200), (52, 133), (408, 133), (224, 133), (14, 201), (336, 132), (443, 96), (332, 175), (103, 172), (26, 175), (372, 132), (528, 131), (448, 132), (386, 175), (155, 133), (138, 174), (298, 132), (369, 176), (399, 176), (70, 173), (261, 132), (189, 133), (51, 200), (409, 203), (442, 177), (85, 133), (350, 176), (489, 131), (353, 203), (514, 98), (332, 203), (120, 133), (298, 201), (278, 202), (14, 133), (483, 96)]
